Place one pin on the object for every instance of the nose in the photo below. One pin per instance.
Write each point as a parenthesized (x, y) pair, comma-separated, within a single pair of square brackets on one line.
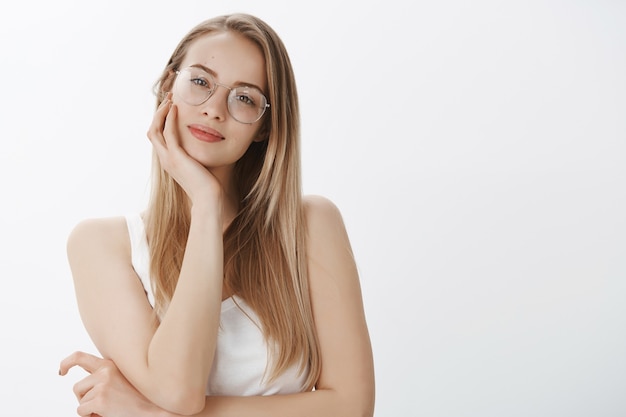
[(216, 107)]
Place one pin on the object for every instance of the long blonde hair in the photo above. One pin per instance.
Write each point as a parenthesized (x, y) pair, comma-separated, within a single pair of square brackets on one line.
[(264, 246)]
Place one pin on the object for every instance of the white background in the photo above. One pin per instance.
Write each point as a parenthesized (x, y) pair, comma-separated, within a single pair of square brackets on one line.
[(476, 150)]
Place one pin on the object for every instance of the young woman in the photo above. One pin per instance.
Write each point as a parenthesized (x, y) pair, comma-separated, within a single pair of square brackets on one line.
[(231, 295)]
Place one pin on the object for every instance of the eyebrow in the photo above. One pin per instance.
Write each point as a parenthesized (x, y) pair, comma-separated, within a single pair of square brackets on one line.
[(236, 84)]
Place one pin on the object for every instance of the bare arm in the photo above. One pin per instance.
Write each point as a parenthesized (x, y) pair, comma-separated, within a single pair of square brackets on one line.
[(346, 384), (168, 363)]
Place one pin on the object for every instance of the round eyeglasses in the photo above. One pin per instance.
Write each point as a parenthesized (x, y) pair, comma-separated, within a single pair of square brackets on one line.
[(246, 104)]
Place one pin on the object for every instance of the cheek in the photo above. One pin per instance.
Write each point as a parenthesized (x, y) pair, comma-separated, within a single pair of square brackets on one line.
[(185, 115), (241, 141), (245, 134), (241, 145)]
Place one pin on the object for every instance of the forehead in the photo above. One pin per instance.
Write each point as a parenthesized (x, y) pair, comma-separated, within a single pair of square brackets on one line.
[(233, 58)]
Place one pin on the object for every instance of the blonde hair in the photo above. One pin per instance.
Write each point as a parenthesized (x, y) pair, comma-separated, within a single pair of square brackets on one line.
[(264, 246)]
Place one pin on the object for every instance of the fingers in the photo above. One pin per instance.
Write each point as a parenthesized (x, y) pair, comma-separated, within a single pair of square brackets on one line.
[(83, 386), (163, 134), (169, 130), (85, 360), (88, 405), (89, 390), (155, 131)]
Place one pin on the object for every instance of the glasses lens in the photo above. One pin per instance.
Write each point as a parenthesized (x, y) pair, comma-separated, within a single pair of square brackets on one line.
[(194, 85), (246, 104)]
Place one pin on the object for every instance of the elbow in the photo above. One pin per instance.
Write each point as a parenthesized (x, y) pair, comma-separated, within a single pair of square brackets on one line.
[(356, 409), (359, 404), (185, 402), (365, 409), (368, 406)]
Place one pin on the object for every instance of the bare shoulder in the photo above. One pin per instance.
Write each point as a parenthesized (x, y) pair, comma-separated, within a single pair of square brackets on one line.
[(91, 237), (321, 212), (329, 251)]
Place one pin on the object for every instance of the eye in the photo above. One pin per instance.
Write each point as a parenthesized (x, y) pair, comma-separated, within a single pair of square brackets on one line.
[(246, 96), (200, 82), (244, 99)]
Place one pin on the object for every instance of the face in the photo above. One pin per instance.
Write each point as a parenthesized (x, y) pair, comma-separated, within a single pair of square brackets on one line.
[(208, 131)]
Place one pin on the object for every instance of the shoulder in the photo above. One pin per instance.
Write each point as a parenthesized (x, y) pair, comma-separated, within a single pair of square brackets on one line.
[(320, 211), (327, 239), (90, 237), (106, 229)]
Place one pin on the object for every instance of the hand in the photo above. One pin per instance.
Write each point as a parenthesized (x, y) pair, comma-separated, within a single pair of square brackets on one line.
[(105, 392), (195, 179)]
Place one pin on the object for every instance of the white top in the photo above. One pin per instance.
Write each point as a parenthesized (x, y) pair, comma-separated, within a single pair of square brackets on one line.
[(241, 354)]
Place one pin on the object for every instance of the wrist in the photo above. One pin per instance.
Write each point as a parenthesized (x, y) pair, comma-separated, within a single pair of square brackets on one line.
[(206, 209), (206, 220)]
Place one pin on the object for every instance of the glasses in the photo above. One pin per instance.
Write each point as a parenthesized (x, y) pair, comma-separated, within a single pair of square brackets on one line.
[(195, 86)]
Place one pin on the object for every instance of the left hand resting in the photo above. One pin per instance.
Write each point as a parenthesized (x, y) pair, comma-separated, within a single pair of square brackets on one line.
[(105, 391)]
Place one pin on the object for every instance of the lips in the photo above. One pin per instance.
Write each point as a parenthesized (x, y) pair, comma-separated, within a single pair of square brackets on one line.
[(205, 133)]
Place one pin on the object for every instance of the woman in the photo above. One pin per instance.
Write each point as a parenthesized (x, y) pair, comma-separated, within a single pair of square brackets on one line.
[(231, 294)]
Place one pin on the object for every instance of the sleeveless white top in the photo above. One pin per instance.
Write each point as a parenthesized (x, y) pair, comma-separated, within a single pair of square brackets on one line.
[(241, 354)]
